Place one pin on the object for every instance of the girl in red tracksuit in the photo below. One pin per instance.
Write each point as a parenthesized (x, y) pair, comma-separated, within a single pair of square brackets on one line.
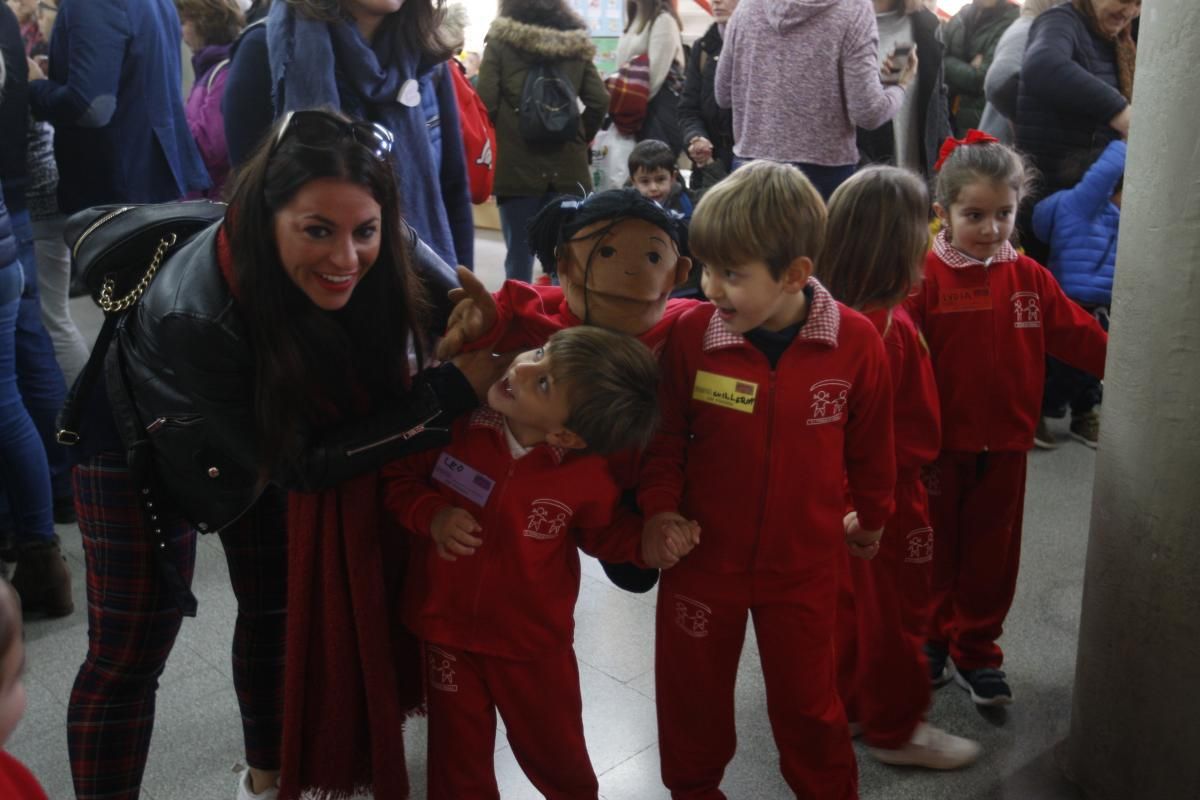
[(773, 394), (16, 781), (877, 239), (990, 316)]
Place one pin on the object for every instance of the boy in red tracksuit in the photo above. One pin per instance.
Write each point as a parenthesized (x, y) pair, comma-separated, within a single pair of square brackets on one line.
[(773, 396), (495, 572), (617, 256), (990, 316)]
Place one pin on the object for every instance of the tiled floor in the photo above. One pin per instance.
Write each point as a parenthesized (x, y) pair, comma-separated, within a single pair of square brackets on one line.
[(196, 751)]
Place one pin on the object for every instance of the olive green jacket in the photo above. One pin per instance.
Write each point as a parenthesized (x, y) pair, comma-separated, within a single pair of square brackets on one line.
[(512, 47), (973, 31)]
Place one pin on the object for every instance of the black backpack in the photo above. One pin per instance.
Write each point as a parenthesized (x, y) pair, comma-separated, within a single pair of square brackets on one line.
[(548, 112)]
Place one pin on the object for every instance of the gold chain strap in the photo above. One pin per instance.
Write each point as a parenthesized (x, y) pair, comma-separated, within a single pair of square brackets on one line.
[(106, 302)]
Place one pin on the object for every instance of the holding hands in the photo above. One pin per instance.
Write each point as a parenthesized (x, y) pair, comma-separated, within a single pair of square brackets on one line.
[(862, 543), (700, 151), (453, 531), (666, 538)]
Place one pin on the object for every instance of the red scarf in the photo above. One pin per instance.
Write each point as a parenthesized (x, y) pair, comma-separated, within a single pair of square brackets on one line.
[(352, 673)]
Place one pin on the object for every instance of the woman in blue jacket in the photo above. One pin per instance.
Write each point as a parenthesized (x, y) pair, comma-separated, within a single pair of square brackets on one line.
[(114, 97), (381, 60)]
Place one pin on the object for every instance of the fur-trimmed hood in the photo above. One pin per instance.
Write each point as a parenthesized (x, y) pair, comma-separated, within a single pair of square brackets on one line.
[(541, 41)]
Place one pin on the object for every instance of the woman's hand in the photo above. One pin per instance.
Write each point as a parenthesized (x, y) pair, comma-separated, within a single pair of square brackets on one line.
[(36, 73), (482, 368), (700, 151), (1120, 123), (474, 314), (910, 68)]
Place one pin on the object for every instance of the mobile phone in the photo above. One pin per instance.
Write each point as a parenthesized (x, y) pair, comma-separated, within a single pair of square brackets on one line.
[(900, 58)]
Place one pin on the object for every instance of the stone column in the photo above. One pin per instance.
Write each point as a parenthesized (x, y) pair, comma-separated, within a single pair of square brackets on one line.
[(1135, 722)]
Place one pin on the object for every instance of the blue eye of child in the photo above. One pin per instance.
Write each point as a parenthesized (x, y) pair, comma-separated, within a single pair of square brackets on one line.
[(654, 257)]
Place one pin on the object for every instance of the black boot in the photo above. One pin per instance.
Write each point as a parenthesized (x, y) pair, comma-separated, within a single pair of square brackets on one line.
[(42, 578)]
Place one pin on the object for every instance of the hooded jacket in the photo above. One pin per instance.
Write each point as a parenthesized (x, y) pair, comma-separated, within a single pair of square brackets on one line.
[(800, 75), (1081, 224), (512, 48), (973, 31)]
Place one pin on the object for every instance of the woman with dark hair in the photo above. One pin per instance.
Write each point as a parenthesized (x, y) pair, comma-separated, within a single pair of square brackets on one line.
[(209, 28), (654, 29), (913, 137), (271, 352), (379, 60), (529, 175)]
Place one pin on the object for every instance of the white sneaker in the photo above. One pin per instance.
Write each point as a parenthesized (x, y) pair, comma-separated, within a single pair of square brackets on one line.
[(932, 748), (244, 792)]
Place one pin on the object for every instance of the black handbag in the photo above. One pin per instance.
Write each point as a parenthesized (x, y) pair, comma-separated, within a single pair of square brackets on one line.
[(118, 250)]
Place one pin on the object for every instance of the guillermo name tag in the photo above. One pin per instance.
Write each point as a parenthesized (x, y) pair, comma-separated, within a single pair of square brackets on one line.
[(464, 479), (724, 392), (973, 298)]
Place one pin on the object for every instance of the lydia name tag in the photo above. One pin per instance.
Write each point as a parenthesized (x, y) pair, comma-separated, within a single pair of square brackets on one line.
[(970, 298), (464, 479), (724, 391)]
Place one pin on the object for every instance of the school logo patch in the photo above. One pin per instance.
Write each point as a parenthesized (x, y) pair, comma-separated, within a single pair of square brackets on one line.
[(918, 546), (692, 616), (1027, 310), (442, 668), (828, 402), (548, 519)]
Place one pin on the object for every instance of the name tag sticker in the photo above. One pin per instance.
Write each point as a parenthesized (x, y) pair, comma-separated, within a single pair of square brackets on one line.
[(725, 392), (464, 479), (971, 298)]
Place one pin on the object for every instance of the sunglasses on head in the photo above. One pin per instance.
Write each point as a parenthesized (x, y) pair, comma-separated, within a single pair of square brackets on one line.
[(321, 129)]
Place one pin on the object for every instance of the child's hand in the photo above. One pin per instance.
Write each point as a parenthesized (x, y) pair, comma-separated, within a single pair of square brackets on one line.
[(666, 538), (862, 543), (474, 314), (453, 531)]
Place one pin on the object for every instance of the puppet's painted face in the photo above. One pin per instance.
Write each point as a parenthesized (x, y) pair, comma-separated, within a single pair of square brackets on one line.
[(633, 268)]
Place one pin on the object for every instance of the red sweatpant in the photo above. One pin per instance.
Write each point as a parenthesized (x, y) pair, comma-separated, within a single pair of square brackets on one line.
[(700, 631), (540, 703), (977, 505), (883, 676)]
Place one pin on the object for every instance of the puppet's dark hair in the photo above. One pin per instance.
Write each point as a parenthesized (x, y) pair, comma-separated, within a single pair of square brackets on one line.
[(564, 216)]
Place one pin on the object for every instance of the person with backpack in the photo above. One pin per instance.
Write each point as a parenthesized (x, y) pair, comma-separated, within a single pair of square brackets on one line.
[(209, 28), (536, 68)]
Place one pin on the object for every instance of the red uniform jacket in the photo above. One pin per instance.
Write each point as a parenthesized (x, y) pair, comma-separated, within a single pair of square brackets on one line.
[(515, 597), (989, 328), (757, 456), (915, 409), (16, 781)]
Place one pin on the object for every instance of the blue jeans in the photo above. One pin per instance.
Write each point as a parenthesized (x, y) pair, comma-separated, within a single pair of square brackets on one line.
[(24, 474), (515, 215), (38, 374), (826, 179)]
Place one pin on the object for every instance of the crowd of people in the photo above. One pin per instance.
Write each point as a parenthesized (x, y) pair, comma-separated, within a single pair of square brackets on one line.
[(832, 206)]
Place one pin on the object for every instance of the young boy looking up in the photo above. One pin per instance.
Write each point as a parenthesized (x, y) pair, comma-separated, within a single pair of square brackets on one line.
[(773, 395), (494, 572), (653, 172)]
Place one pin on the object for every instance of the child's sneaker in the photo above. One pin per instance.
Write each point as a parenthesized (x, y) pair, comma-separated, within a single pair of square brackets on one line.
[(1042, 437), (931, 748), (941, 668), (986, 685), (246, 792), (1085, 427)]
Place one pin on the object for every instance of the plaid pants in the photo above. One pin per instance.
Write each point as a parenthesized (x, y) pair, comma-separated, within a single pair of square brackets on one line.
[(133, 621)]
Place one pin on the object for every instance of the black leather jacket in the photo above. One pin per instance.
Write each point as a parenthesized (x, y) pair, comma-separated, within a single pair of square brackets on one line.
[(181, 385)]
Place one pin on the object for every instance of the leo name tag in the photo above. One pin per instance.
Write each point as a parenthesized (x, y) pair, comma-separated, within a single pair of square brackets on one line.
[(971, 298), (723, 391), (464, 479)]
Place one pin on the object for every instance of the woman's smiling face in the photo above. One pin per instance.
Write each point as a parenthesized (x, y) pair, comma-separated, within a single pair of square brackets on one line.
[(328, 236)]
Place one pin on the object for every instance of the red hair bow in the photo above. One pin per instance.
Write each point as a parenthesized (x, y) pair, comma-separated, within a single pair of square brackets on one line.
[(951, 144)]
